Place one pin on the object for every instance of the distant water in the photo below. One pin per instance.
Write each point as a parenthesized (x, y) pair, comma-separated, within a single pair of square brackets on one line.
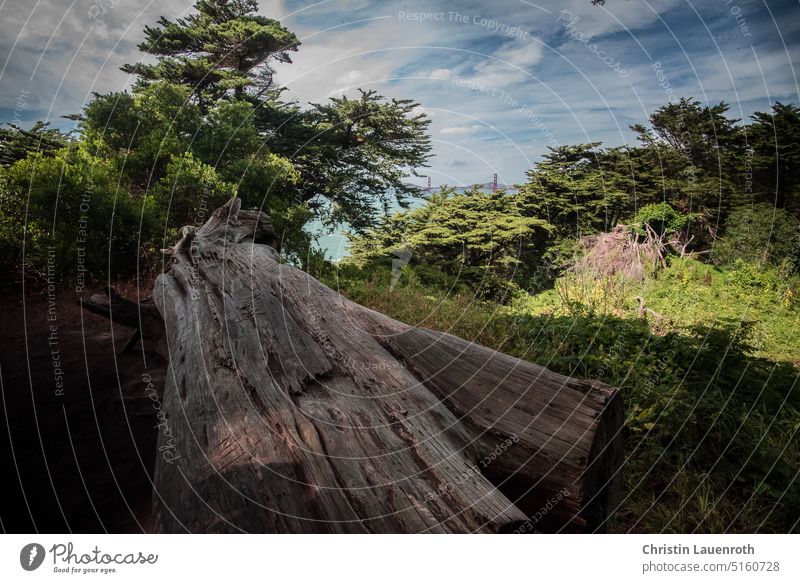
[(335, 244)]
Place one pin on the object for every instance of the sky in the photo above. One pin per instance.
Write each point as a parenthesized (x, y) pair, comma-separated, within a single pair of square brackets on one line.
[(502, 81)]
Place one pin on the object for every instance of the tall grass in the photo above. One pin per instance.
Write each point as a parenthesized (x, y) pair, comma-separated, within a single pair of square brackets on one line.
[(710, 389)]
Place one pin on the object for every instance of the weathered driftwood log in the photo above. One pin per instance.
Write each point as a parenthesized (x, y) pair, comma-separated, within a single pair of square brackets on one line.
[(293, 409)]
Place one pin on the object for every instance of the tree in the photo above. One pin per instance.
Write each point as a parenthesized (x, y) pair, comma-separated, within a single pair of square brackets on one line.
[(141, 132), (16, 143), (176, 196), (698, 149), (693, 161), (356, 154), (703, 133), (569, 191), (486, 239), (222, 49), (760, 234), (77, 208), (211, 93), (775, 140)]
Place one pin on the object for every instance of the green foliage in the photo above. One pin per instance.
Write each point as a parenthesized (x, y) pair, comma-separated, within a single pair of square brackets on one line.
[(691, 293), (760, 234), (223, 49), (210, 94), (566, 189), (694, 163), (141, 133), (78, 216), (711, 428), (661, 218), (697, 150), (479, 237), (18, 238), (356, 155), (16, 143), (189, 191), (703, 133), (774, 159), (161, 144)]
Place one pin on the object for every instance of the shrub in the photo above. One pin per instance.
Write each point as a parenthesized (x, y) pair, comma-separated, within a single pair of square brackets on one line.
[(710, 429), (760, 234), (17, 239), (483, 239), (81, 218), (190, 191), (661, 218)]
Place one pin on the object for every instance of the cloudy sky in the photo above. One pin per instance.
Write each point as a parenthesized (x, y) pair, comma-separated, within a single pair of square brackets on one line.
[(502, 80)]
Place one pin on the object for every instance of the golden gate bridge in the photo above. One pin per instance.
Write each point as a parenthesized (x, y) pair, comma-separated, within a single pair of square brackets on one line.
[(492, 186)]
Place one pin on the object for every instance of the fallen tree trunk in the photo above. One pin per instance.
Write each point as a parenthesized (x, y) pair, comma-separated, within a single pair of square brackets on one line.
[(292, 409)]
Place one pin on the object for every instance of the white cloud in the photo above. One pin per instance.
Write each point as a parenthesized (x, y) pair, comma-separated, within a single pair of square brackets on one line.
[(520, 53), (349, 79), (459, 130), (512, 63), (613, 17), (567, 92), (423, 110)]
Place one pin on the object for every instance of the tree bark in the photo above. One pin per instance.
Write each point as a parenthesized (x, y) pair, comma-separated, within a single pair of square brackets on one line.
[(292, 409)]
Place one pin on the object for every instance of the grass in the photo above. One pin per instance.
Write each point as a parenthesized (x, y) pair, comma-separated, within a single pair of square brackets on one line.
[(710, 386), (690, 293)]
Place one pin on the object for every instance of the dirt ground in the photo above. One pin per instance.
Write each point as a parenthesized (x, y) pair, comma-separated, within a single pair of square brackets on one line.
[(77, 429)]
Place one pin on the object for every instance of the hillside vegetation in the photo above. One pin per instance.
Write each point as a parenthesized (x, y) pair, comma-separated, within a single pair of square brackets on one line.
[(668, 267), (712, 403)]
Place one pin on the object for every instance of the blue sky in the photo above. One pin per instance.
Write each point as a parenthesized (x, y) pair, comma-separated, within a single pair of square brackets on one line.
[(501, 80)]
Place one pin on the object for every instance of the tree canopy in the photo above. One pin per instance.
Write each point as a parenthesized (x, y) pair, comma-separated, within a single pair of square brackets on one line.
[(205, 121), (224, 48), (698, 179)]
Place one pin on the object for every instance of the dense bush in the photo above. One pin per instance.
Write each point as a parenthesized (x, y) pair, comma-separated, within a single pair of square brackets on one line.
[(760, 234), (189, 191), (661, 218), (485, 240), (18, 239), (81, 221)]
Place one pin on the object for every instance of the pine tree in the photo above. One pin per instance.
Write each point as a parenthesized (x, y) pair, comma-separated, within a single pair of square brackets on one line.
[(221, 49), (775, 163)]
